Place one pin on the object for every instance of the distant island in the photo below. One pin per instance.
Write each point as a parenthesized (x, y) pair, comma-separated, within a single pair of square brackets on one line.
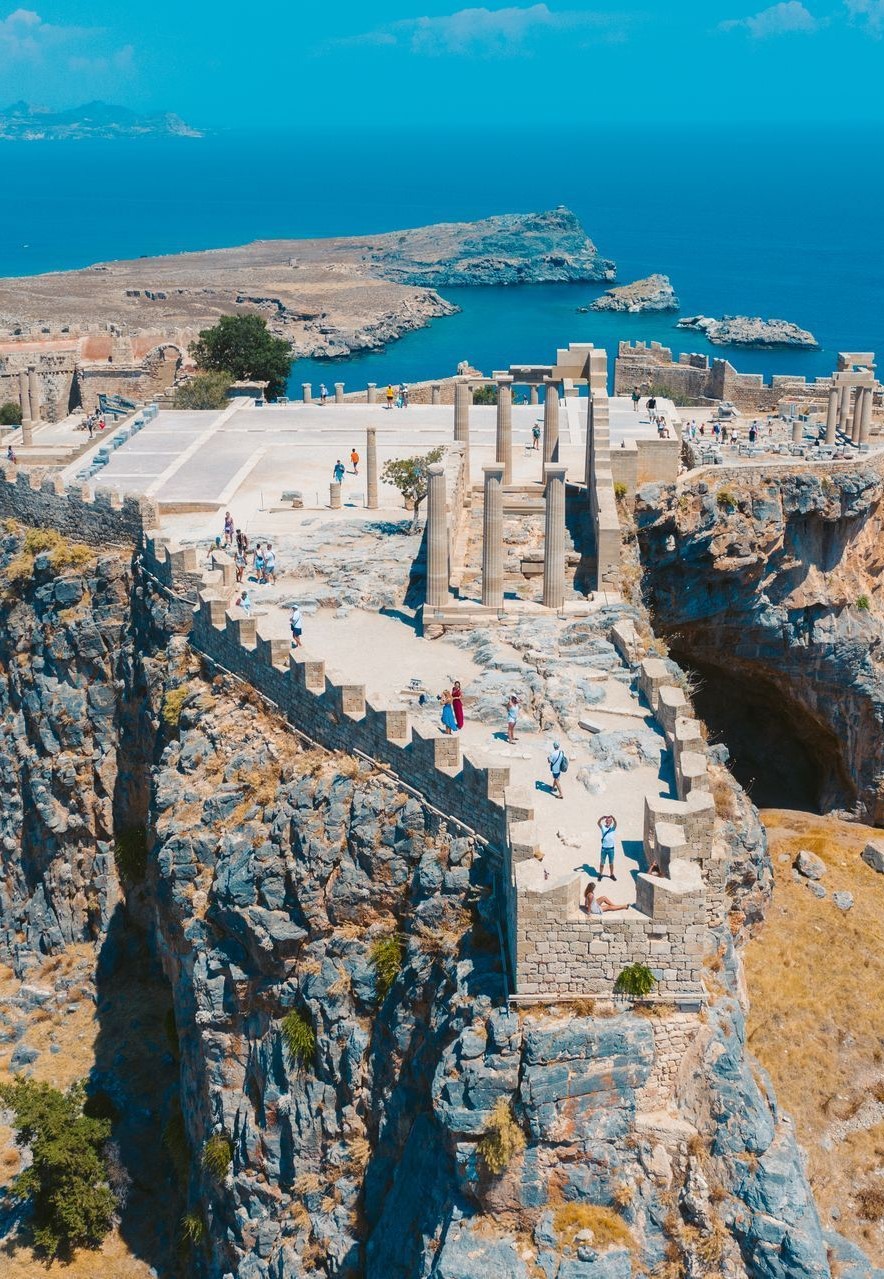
[(22, 122)]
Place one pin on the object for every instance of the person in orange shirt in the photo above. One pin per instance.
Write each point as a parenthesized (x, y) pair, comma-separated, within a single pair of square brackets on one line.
[(354, 461)]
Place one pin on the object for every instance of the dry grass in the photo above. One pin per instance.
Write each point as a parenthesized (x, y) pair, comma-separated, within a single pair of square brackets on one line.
[(722, 793), (608, 1228), (817, 1021), (112, 1260)]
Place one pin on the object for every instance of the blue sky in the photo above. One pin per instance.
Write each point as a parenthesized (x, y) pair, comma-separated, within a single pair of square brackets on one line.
[(433, 64)]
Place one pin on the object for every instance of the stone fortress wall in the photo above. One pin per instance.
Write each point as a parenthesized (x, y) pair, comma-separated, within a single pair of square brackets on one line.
[(696, 377), (103, 520)]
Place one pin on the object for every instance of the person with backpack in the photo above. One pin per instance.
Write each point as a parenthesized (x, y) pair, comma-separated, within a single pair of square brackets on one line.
[(558, 764), (295, 626), (535, 436)]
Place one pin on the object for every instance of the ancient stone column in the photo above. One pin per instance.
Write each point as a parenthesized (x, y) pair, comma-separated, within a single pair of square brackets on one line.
[(372, 393), (832, 415), (334, 496), (339, 392), (34, 389), (844, 408), (865, 418), (554, 541), (435, 393), (857, 415), (551, 424), (463, 398), (797, 431), (437, 538), (371, 468), (504, 448), (492, 537), (533, 397), (24, 396), (307, 392)]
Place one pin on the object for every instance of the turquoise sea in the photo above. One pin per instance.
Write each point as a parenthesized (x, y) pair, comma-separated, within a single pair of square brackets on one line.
[(775, 223)]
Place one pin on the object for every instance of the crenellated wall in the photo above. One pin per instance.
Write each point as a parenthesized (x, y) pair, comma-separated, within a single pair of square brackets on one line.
[(105, 519)]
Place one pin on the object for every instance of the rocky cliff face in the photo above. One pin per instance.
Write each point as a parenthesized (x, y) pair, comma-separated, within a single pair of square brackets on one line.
[(334, 957), (770, 582)]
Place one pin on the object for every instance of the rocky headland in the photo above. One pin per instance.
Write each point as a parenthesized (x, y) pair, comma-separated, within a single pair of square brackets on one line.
[(742, 330), (652, 294), (327, 298), (338, 1021)]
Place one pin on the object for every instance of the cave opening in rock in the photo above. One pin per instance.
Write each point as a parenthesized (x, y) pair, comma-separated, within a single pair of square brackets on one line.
[(778, 754)]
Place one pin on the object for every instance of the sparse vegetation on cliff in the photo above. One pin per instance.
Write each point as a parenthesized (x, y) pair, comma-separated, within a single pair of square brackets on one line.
[(299, 1037), (386, 956), (503, 1139), (217, 1155), (60, 552)]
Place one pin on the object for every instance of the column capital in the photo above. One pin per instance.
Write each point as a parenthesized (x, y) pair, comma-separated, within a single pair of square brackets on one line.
[(494, 470), (436, 468), (554, 470), (504, 379)]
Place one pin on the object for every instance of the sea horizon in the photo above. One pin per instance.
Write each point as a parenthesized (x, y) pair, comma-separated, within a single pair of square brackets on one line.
[(719, 211)]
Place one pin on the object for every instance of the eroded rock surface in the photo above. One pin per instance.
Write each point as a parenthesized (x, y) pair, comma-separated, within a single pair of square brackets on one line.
[(655, 293), (743, 330)]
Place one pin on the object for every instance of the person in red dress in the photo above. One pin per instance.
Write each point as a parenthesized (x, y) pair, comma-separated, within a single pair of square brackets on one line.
[(457, 703)]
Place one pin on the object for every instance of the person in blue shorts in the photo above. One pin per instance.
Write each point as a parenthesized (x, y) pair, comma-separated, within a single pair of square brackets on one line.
[(608, 826)]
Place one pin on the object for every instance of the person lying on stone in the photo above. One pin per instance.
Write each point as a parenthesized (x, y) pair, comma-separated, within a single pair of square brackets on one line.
[(594, 905)]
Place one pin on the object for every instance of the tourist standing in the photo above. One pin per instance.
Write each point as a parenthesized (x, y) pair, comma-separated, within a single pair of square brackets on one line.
[(354, 461), (753, 433), (270, 564), (10, 455), (339, 472), (295, 626), (228, 529), (449, 723), (558, 764), (391, 395), (636, 398), (323, 393), (259, 562), (512, 716), (245, 603), (457, 703), (608, 826), (239, 561), (404, 392), (535, 436)]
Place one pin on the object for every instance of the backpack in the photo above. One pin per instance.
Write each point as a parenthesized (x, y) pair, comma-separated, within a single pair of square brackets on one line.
[(563, 767)]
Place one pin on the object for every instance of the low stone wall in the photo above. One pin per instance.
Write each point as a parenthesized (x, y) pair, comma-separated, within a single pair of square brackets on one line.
[(645, 462), (102, 520), (55, 369)]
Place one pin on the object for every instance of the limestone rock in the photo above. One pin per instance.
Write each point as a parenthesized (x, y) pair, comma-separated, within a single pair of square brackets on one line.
[(843, 900), (655, 293), (742, 330), (809, 865), (873, 855)]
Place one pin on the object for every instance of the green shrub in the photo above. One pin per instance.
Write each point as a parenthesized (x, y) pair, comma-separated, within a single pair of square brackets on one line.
[(503, 1139), (10, 414), (217, 1155), (205, 391), (299, 1037), (62, 554), (726, 500), (386, 957), (172, 704), (66, 1184), (863, 603), (130, 854), (635, 980), (620, 490), (192, 1229)]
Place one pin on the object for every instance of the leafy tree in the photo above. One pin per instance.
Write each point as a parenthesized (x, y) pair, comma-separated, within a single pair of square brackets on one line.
[(485, 395), (205, 391), (66, 1184), (10, 414), (242, 347), (409, 475)]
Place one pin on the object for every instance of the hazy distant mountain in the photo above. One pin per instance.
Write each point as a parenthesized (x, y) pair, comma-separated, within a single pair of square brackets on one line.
[(22, 122)]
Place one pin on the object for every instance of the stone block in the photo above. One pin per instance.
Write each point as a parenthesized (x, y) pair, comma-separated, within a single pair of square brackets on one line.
[(447, 753), (397, 726), (353, 699)]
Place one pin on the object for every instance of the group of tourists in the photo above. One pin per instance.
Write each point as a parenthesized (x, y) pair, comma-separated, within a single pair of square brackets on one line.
[(263, 556), (452, 709), (398, 398), (339, 470)]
